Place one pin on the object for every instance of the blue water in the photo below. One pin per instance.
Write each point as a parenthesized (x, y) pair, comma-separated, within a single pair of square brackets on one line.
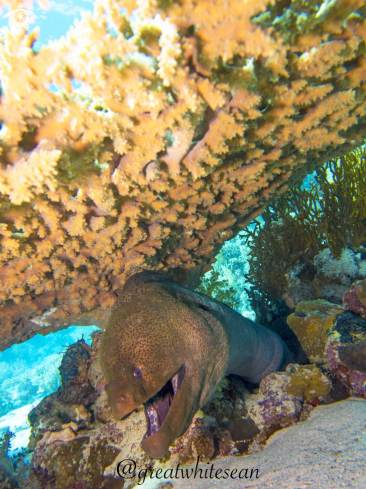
[(53, 22), (28, 373)]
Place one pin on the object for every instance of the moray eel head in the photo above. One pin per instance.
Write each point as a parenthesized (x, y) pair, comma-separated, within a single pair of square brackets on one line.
[(151, 353), (129, 389)]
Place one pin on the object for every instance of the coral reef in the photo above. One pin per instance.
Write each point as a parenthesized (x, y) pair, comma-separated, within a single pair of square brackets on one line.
[(75, 441), (7, 472), (67, 451), (213, 285), (189, 117), (310, 322), (355, 298), (274, 407), (310, 243), (226, 280), (309, 383), (346, 353), (35, 373), (286, 397), (335, 338), (327, 450)]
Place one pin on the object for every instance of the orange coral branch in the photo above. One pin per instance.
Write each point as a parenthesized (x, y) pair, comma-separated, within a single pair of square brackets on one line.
[(190, 118)]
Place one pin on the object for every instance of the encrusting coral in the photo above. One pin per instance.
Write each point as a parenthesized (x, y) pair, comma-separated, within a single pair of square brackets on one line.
[(335, 338), (310, 322), (188, 117)]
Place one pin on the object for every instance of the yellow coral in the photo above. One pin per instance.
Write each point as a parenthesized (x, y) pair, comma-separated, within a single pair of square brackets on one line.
[(27, 177), (308, 381), (310, 322), (189, 117)]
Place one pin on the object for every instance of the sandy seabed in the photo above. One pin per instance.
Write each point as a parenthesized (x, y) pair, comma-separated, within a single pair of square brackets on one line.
[(327, 451)]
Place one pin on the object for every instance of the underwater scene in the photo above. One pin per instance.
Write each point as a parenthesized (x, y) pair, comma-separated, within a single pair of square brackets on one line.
[(182, 244)]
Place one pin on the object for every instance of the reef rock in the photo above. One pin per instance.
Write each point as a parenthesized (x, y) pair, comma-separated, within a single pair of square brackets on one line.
[(355, 298), (75, 439), (337, 339), (285, 397), (310, 322), (345, 353)]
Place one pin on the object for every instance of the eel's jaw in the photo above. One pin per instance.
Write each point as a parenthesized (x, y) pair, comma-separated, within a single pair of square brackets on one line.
[(157, 407)]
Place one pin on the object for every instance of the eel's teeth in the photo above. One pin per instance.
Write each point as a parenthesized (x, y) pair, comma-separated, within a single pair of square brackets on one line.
[(153, 419), (175, 383)]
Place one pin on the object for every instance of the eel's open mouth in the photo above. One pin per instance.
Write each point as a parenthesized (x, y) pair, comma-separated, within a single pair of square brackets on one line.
[(157, 407)]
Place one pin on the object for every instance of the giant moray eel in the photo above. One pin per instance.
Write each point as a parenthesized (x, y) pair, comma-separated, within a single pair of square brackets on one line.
[(168, 347)]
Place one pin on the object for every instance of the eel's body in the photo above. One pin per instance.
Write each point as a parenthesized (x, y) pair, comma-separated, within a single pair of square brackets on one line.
[(168, 347)]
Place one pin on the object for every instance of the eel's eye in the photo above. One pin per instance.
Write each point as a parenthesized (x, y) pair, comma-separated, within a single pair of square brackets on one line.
[(137, 372)]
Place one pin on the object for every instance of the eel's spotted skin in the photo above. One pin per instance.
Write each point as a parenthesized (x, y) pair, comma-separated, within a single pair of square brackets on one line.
[(159, 328)]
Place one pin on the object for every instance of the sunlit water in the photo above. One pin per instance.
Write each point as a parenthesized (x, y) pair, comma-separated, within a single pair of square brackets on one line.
[(28, 373)]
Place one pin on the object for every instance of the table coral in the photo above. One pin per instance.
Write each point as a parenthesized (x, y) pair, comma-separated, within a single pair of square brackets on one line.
[(190, 116)]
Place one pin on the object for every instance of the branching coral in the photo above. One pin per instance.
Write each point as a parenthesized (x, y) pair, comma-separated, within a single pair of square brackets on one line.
[(189, 117)]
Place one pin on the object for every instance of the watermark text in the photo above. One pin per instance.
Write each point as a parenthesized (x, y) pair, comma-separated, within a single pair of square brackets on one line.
[(127, 469)]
